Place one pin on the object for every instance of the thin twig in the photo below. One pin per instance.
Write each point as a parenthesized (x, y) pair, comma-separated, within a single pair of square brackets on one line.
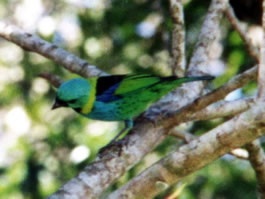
[(178, 38), (253, 51), (53, 79)]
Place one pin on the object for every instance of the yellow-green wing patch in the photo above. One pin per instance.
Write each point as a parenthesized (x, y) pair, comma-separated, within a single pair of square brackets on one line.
[(135, 82)]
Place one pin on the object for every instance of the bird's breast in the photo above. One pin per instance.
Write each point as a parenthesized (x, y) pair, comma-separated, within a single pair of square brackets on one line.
[(104, 111)]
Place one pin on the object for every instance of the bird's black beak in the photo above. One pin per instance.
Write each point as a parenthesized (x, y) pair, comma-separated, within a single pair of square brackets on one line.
[(58, 103)]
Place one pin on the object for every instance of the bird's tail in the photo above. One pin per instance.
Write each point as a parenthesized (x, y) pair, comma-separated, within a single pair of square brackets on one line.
[(172, 82), (169, 83)]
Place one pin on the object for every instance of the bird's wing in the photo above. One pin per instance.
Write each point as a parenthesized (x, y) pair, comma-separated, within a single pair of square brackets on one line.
[(114, 87), (136, 82)]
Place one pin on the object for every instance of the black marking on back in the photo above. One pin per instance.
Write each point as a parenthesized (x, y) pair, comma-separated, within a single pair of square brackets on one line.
[(105, 82), (78, 110)]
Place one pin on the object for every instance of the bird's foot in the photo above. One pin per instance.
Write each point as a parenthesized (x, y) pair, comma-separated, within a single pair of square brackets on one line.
[(115, 142)]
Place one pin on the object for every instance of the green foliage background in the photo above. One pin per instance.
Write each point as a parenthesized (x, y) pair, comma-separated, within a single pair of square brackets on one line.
[(37, 145)]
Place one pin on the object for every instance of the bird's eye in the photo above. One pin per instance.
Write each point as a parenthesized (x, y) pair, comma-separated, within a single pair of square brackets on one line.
[(72, 101)]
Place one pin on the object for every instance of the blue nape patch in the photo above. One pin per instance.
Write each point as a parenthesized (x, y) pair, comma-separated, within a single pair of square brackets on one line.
[(73, 89)]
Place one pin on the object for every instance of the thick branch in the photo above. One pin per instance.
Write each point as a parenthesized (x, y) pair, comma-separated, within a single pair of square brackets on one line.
[(207, 37), (178, 38), (191, 157), (35, 44)]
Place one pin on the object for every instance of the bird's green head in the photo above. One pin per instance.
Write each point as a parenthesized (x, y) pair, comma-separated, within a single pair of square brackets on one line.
[(74, 93)]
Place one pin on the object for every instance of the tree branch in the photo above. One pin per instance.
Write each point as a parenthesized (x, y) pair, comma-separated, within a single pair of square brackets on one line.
[(33, 43), (208, 35), (191, 157), (223, 109), (178, 38), (188, 137), (53, 79), (184, 135)]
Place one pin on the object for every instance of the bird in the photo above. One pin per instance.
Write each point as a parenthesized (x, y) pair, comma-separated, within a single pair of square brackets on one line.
[(117, 97)]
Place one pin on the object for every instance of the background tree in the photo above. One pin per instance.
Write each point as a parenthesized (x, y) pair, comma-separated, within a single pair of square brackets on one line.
[(43, 149)]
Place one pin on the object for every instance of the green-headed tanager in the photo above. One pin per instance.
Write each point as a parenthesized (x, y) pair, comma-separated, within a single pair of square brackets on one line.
[(117, 97)]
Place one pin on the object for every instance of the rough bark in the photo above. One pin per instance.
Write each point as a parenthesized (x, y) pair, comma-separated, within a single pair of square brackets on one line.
[(234, 133), (178, 38)]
